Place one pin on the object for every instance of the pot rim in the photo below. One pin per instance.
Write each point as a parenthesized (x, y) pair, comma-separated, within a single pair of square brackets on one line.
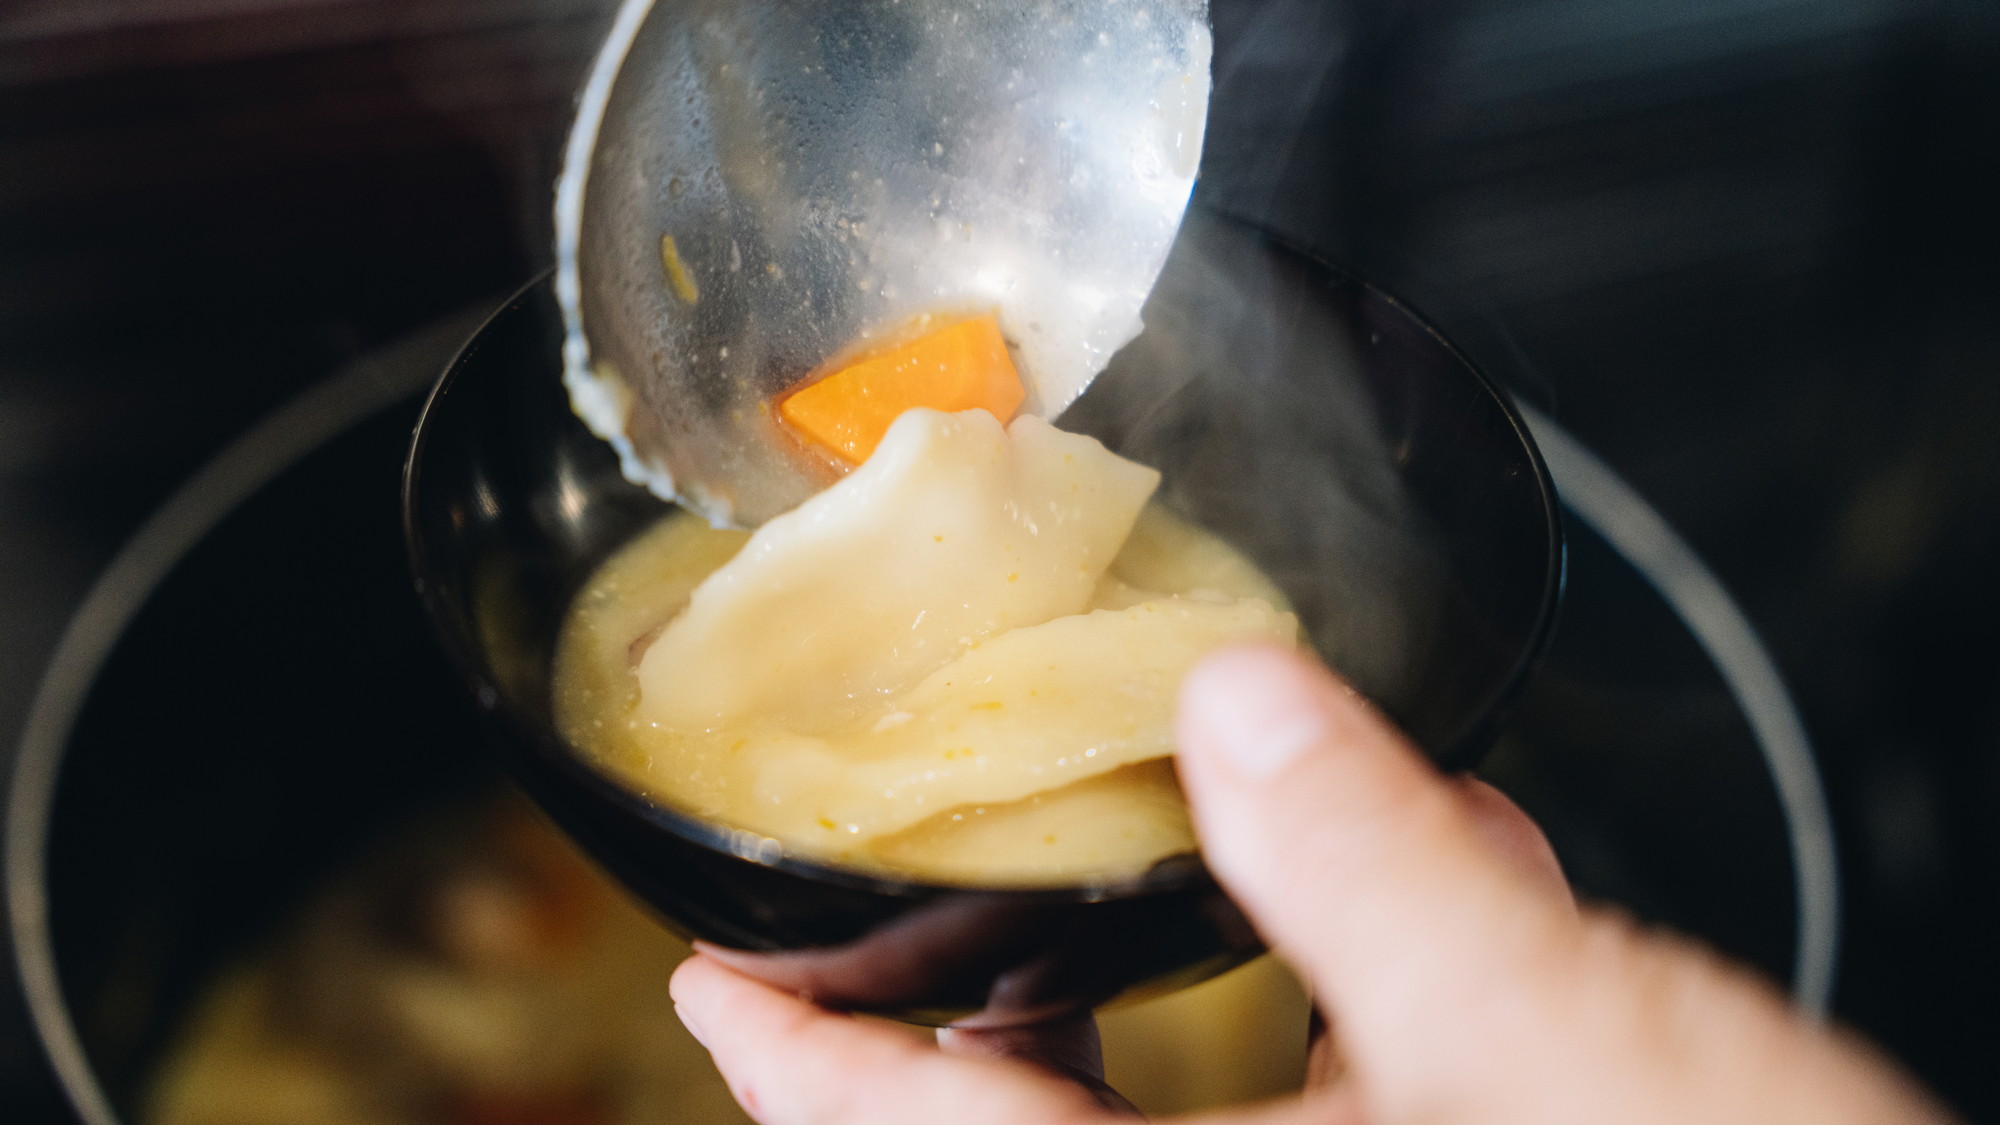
[(308, 421)]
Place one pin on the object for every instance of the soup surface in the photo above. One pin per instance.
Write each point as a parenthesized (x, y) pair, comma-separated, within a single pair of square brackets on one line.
[(957, 662), (479, 971)]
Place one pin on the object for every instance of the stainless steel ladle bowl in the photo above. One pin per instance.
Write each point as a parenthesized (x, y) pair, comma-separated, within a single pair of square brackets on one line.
[(753, 186)]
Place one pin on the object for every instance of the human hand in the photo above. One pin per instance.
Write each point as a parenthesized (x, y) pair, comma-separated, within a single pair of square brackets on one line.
[(1431, 922)]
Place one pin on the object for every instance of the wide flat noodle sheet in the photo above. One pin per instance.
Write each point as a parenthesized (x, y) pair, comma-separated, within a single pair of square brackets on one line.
[(976, 636), (955, 530), (1031, 710)]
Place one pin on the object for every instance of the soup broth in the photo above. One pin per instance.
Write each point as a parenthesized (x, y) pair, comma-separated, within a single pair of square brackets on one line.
[(958, 662)]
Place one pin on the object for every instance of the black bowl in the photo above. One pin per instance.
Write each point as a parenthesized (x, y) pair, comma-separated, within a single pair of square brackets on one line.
[(1385, 484)]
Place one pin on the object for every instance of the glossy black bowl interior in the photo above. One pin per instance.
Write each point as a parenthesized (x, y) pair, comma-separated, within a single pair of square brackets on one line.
[(1386, 486)]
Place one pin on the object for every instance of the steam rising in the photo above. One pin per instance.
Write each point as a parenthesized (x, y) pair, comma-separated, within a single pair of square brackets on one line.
[(1253, 391)]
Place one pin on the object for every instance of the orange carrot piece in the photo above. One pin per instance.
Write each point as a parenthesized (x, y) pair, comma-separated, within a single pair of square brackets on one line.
[(962, 367)]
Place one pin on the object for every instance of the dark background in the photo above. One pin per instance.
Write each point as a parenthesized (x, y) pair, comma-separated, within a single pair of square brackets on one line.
[(1744, 248)]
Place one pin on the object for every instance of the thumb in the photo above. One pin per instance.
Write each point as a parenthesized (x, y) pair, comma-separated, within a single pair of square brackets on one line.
[(1463, 984), (1369, 872)]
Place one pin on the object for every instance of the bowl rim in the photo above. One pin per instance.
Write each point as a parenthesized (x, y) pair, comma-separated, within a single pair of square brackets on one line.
[(1463, 750), (1457, 753)]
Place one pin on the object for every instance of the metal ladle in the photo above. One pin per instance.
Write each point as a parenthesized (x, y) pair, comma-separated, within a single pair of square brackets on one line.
[(755, 187)]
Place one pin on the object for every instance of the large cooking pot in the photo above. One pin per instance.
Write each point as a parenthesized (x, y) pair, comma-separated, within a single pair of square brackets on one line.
[(249, 699)]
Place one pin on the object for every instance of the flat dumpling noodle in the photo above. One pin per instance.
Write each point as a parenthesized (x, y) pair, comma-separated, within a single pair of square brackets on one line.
[(958, 662)]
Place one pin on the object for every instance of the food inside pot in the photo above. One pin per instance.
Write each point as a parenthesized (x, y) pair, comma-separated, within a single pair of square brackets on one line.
[(957, 662), (479, 971)]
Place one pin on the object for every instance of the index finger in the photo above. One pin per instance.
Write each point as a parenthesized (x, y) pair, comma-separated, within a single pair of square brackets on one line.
[(791, 1063)]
